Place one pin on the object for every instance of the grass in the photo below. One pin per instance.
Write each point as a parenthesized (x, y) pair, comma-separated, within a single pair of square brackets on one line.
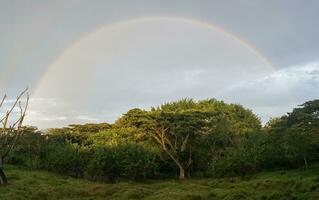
[(40, 185)]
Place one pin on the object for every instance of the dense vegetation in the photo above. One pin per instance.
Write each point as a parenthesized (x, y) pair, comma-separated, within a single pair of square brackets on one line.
[(40, 185), (181, 139)]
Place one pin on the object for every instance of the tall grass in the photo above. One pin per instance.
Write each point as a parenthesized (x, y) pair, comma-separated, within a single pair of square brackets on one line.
[(40, 185)]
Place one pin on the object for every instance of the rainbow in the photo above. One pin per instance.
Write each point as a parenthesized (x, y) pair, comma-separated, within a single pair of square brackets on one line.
[(208, 25), (122, 23)]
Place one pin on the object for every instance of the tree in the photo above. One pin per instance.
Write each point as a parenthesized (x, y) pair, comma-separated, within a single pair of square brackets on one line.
[(114, 137), (89, 128), (295, 137), (30, 149), (174, 132), (306, 118), (303, 131), (298, 145), (178, 127), (12, 128)]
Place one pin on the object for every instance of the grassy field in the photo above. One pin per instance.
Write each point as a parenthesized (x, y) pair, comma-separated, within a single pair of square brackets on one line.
[(41, 185)]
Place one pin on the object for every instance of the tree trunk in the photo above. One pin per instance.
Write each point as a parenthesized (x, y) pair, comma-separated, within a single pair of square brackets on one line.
[(3, 177), (305, 161), (178, 163), (181, 172)]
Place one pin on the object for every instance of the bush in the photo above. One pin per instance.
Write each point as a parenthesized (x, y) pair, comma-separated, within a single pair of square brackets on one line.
[(70, 159), (242, 158), (127, 161)]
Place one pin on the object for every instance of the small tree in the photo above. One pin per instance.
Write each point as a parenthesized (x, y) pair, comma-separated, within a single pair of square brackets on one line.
[(11, 128)]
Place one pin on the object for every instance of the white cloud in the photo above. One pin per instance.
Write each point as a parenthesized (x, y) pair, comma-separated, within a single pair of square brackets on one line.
[(279, 92), (268, 96), (50, 112), (87, 118)]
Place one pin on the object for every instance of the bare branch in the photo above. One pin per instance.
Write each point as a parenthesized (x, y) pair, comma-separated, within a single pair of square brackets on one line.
[(1, 103), (11, 133), (14, 105)]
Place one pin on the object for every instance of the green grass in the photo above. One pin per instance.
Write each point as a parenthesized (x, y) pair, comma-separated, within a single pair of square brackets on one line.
[(40, 185)]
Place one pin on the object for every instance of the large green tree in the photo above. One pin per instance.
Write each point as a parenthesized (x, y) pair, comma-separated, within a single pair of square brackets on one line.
[(294, 138), (306, 117), (178, 127)]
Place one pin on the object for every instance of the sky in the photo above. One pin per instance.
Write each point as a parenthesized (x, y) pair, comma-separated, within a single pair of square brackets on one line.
[(91, 61)]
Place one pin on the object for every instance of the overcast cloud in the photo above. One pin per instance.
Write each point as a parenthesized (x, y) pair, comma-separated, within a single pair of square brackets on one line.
[(97, 72)]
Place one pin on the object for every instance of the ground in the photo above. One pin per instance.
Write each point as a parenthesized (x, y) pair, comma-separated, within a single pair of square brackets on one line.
[(41, 185)]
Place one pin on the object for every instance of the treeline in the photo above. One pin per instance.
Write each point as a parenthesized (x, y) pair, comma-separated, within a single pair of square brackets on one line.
[(186, 138)]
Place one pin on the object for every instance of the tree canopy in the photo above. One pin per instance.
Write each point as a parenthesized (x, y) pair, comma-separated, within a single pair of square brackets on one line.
[(180, 139)]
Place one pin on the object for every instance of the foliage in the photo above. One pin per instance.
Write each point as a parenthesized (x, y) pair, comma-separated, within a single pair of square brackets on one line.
[(245, 157), (70, 159), (129, 161), (177, 127), (186, 138), (30, 149), (114, 137)]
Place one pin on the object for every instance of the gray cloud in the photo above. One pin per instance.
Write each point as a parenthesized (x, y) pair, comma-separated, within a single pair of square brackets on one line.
[(279, 92), (160, 62), (268, 96)]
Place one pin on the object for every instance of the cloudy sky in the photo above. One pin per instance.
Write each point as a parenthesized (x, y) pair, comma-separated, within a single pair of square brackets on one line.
[(90, 61)]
